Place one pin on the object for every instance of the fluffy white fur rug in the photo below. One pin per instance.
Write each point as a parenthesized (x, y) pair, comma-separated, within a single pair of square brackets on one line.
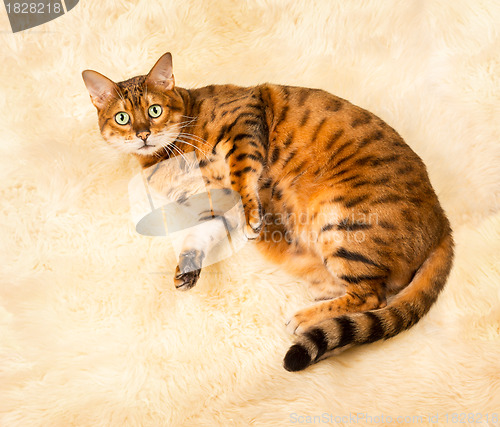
[(92, 330)]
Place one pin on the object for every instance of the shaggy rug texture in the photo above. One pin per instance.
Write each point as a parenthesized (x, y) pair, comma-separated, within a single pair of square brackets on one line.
[(92, 331)]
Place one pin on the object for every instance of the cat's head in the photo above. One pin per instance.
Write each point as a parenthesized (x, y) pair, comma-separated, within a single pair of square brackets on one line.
[(142, 115)]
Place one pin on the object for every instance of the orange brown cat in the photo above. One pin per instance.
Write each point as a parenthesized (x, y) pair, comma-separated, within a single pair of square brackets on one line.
[(329, 190)]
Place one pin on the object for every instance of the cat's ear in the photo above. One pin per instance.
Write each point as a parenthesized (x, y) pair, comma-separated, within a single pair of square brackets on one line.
[(101, 89), (161, 73)]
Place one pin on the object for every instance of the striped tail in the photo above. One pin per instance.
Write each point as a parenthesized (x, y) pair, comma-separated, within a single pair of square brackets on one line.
[(332, 336)]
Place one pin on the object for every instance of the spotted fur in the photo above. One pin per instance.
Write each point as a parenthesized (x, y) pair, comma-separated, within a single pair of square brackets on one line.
[(329, 190)]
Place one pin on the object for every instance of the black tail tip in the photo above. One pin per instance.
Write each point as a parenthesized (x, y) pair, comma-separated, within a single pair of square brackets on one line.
[(297, 358)]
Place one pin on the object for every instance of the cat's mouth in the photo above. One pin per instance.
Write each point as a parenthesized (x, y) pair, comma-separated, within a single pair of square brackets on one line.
[(147, 149), (146, 145)]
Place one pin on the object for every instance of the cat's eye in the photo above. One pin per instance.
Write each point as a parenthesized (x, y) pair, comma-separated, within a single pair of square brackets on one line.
[(155, 111), (122, 118)]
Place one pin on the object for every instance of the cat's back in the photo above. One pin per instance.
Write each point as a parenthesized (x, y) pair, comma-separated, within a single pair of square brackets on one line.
[(307, 116), (326, 139)]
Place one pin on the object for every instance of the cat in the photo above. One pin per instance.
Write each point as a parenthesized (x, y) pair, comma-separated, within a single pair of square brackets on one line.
[(328, 189)]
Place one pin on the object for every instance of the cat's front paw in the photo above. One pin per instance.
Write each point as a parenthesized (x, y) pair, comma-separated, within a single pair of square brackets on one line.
[(185, 281), (188, 271), (254, 224), (251, 232)]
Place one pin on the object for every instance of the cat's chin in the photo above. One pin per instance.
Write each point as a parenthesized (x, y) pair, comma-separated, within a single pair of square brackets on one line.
[(147, 150)]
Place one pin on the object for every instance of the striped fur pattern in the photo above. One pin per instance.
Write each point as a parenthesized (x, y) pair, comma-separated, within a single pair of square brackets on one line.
[(329, 190)]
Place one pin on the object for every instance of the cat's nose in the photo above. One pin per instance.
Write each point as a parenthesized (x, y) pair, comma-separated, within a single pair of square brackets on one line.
[(143, 134)]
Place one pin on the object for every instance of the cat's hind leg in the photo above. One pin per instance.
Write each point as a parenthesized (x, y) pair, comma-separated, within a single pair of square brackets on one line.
[(363, 279), (359, 297)]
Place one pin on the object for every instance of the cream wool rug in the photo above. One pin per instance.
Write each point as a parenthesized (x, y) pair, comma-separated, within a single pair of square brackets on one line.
[(92, 331)]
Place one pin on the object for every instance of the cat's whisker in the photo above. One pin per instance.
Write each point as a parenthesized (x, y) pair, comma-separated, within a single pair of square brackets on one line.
[(181, 153), (184, 125), (203, 153), (173, 155), (190, 120), (195, 137), (166, 140), (179, 150), (171, 137), (194, 146)]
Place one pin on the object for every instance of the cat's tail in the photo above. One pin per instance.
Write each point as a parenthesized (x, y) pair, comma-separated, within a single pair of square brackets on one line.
[(332, 336)]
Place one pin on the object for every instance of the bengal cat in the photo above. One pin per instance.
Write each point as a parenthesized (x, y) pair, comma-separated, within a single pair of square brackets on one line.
[(328, 189)]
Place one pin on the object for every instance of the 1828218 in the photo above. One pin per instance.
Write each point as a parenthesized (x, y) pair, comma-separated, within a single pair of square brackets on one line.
[(33, 8)]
